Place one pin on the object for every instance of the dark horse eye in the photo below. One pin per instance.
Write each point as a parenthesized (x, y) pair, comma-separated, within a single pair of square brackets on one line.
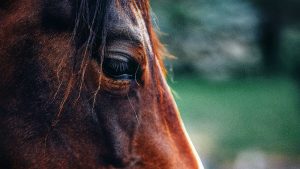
[(121, 67)]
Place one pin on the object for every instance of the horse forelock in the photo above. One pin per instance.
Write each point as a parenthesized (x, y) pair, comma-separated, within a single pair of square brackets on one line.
[(95, 21)]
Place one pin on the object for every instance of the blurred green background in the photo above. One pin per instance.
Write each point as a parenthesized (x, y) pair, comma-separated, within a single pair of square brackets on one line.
[(236, 78)]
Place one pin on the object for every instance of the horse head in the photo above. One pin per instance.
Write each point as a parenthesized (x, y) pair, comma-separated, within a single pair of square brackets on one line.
[(83, 86)]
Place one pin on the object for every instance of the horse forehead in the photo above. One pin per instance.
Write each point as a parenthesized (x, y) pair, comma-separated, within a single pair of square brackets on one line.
[(128, 18), (120, 21), (122, 11)]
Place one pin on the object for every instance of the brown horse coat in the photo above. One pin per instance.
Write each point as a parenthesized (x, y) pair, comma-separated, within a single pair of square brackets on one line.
[(82, 86)]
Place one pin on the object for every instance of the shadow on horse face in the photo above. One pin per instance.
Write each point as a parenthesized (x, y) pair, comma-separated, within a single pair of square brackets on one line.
[(82, 86)]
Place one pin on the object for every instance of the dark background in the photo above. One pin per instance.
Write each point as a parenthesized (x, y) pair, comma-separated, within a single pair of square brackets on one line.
[(236, 78)]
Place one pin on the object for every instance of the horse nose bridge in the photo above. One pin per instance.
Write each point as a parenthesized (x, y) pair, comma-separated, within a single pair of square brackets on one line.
[(167, 102), (176, 129)]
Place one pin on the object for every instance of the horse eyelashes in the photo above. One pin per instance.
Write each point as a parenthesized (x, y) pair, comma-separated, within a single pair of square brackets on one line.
[(119, 66), (121, 69)]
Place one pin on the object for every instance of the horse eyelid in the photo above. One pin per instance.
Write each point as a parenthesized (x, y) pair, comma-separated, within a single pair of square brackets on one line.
[(124, 56), (130, 37), (120, 56)]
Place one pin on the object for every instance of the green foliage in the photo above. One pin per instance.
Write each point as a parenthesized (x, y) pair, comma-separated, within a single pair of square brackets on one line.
[(212, 38), (242, 114), (220, 37), (290, 49)]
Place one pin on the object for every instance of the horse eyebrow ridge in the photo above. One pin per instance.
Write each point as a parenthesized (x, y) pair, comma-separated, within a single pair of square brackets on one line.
[(119, 33)]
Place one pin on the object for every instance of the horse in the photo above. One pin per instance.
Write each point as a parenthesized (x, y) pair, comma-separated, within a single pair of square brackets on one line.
[(83, 86)]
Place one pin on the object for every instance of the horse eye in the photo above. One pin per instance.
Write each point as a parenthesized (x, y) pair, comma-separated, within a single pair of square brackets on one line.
[(120, 67)]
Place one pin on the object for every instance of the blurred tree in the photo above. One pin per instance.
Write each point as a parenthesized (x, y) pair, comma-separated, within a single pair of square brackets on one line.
[(219, 37), (216, 38), (275, 16)]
